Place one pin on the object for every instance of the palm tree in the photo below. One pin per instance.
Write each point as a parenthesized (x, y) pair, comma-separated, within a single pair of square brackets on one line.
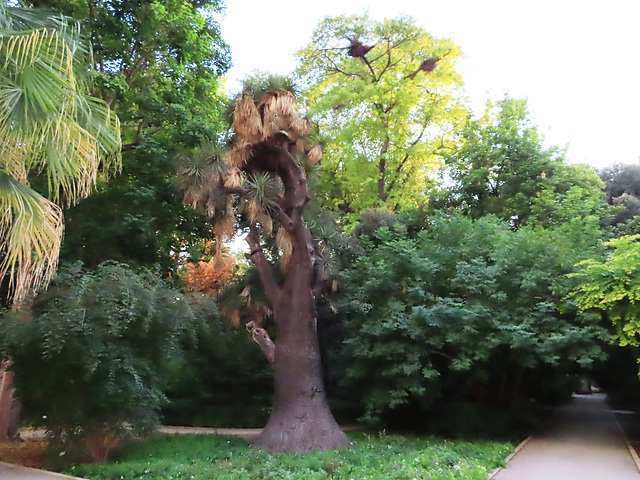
[(51, 128), (263, 178)]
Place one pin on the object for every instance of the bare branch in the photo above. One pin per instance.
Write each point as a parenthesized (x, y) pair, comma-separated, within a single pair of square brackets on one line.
[(256, 256), (261, 337)]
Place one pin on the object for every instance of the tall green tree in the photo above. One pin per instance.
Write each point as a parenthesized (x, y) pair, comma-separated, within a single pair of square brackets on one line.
[(502, 168), (386, 96), (159, 66)]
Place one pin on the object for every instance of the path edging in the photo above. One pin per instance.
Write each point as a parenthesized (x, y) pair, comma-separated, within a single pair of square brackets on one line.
[(632, 451), (509, 457), (61, 476)]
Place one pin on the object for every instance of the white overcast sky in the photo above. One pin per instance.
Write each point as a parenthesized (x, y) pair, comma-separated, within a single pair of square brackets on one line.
[(577, 61)]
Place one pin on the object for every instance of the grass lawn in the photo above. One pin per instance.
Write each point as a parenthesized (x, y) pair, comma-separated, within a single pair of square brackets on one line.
[(374, 456)]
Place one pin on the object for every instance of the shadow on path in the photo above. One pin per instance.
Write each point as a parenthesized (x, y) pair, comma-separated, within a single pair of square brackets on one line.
[(582, 441)]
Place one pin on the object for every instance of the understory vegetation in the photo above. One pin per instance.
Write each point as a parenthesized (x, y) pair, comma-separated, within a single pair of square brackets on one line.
[(373, 456)]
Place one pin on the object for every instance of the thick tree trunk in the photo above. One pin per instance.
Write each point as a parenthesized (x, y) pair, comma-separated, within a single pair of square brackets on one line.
[(300, 417), (9, 407)]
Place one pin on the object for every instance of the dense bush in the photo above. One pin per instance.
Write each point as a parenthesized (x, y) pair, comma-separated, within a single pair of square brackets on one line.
[(89, 364), (462, 312), (223, 380)]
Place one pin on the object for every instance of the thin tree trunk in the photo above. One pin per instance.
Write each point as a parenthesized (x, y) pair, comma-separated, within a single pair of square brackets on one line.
[(9, 402), (9, 406)]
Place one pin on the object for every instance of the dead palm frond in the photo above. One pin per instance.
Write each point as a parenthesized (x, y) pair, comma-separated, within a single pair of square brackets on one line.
[(278, 111), (283, 240), (30, 235), (315, 154), (247, 123)]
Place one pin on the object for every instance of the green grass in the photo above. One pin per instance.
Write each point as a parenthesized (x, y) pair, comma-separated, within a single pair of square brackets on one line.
[(375, 457)]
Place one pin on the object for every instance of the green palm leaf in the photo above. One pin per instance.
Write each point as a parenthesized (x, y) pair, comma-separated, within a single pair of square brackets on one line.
[(48, 125)]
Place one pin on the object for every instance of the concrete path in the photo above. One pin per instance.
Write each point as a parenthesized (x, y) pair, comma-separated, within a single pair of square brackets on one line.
[(583, 441), (16, 472)]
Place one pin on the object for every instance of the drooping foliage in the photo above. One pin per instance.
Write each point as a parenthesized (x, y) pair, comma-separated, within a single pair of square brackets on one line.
[(385, 96), (462, 312), (49, 125), (89, 362)]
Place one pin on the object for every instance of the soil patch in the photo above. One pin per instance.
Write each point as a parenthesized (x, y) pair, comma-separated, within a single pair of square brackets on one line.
[(30, 453)]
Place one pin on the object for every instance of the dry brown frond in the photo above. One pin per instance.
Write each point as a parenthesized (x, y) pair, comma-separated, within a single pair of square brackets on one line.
[(265, 220), (247, 123), (278, 111), (234, 179), (285, 245), (300, 146), (300, 127), (254, 210), (239, 155), (225, 226), (233, 316), (315, 154)]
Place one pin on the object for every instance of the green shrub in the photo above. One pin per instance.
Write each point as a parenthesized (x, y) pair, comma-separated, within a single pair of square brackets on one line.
[(223, 380), (89, 363)]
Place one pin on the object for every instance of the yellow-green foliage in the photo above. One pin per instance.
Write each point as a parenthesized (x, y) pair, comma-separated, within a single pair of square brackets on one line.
[(385, 121), (613, 286)]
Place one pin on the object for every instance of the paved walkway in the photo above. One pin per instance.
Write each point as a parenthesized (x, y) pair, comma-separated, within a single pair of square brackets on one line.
[(15, 472), (583, 441)]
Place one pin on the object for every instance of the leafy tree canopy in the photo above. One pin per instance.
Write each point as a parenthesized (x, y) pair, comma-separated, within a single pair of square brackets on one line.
[(462, 311), (502, 168), (612, 285), (159, 65), (623, 192), (385, 96)]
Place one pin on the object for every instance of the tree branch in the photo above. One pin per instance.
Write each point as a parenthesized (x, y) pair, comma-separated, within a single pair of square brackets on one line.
[(256, 256), (262, 338)]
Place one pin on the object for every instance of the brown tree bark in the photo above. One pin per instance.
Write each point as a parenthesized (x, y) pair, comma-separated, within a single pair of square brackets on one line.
[(300, 418), (9, 407)]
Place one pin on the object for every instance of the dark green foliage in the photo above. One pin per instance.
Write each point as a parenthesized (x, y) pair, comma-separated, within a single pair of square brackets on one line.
[(378, 456), (224, 381), (91, 358), (623, 191), (138, 217), (463, 312), (158, 65), (618, 377)]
